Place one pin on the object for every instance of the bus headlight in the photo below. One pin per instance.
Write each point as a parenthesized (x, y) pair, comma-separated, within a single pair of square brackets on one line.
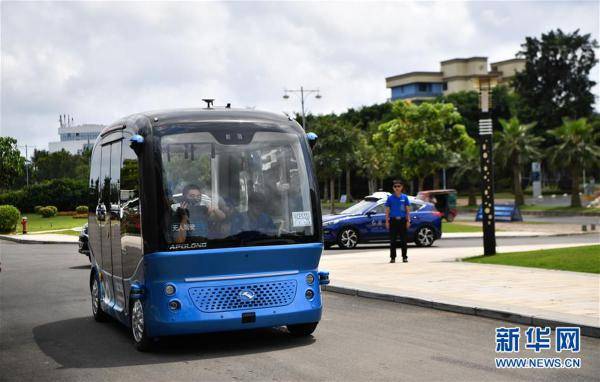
[(170, 290), (310, 279)]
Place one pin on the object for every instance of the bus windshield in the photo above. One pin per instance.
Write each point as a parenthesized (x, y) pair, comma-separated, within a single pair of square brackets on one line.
[(223, 195)]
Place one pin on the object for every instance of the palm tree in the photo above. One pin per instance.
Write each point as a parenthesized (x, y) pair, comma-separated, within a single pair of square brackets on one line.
[(516, 144), (577, 145)]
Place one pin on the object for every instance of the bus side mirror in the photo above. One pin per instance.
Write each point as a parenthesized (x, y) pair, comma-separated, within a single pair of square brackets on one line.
[(136, 143), (312, 139)]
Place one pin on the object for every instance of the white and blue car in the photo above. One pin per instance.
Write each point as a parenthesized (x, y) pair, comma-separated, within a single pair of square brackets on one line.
[(365, 222)]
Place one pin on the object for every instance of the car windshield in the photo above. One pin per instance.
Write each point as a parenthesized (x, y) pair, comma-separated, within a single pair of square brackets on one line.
[(221, 194), (359, 208)]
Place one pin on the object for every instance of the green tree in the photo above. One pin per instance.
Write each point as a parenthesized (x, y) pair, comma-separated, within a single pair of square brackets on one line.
[(60, 164), (555, 82), (423, 138), (375, 159), (467, 105), (336, 144), (468, 170), (11, 162), (578, 145), (514, 145)]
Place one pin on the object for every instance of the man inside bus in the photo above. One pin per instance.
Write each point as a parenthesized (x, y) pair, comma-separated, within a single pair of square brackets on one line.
[(194, 215), (256, 219)]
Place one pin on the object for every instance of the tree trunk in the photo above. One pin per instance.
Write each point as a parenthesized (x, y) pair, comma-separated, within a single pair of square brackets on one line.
[(372, 185), (325, 190), (332, 195), (519, 199), (381, 184), (420, 181), (575, 198), (472, 197), (436, 180), (348, 191)]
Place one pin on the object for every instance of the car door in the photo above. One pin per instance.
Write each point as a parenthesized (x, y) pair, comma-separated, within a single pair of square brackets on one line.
[(416, 217), (377, 222), (115, 225), (103, 218)]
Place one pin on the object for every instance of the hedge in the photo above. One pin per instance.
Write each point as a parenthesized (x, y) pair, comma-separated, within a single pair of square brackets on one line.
[(65, 194), (9, 218)]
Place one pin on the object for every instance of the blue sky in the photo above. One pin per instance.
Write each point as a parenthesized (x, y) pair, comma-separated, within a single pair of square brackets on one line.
[(100, 61)]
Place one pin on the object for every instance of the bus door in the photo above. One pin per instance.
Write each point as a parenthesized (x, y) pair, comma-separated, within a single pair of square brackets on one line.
[(108, 218), (115, 225)]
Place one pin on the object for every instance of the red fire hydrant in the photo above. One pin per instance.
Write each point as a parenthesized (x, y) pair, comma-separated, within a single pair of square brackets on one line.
[(24, 224)]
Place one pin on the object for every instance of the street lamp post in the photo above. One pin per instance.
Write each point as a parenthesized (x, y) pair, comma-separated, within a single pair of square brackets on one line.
[(302, 92), (487, 174)]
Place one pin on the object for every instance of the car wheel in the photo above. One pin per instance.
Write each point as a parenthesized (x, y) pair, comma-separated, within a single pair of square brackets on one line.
[(302, 330), (424, 237), (99, 314), (348, 238), (141, 341), (449, 218)]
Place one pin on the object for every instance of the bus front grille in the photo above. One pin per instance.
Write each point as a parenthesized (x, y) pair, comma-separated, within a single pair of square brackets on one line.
[(244, 296)]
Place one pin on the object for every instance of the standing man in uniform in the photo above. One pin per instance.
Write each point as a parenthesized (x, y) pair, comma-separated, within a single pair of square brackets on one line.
[(397, 219)]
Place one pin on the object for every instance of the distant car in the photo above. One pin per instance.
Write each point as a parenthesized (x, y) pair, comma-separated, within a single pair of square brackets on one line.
[(83, 242), (365, 222), (444, 201)]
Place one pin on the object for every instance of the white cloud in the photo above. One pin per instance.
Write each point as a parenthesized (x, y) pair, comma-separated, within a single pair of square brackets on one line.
[(100, 61)]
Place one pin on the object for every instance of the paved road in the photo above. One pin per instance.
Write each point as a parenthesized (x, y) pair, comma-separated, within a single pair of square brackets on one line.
[(47, 333), (478, 242)]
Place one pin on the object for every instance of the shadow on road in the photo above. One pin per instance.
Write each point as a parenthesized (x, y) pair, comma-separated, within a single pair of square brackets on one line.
[(84, 343), (87, 266)]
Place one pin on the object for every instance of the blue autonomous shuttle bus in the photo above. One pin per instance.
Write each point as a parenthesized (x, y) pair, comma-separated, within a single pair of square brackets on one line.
[(204, 220)]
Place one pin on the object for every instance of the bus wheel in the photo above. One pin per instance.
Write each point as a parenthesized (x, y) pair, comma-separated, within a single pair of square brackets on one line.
[(97, 311), (348, 238), (141, 341), (302, 330)]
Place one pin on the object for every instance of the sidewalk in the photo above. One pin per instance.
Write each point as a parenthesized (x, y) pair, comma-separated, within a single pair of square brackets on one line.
[(434, 278), (43, 238)]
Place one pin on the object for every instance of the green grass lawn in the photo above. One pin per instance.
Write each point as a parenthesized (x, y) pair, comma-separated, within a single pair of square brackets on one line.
[(576, 259), (457, 227), (38, 223)]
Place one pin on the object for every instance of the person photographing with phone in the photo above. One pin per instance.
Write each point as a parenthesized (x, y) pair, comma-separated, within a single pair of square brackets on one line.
[(397, 219), (194, 214)]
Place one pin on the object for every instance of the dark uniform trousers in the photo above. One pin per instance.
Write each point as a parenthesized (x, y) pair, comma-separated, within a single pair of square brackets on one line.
[(397, 232)]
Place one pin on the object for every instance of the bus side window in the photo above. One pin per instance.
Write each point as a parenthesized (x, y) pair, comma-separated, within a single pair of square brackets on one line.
[(131, 238), (93, 204)]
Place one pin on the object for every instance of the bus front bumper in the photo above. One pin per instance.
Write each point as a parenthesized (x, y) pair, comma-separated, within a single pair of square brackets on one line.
[(196, 315)]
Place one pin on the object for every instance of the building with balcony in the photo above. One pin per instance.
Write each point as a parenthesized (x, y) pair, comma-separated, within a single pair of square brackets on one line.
[(75, 139), (457, 74)]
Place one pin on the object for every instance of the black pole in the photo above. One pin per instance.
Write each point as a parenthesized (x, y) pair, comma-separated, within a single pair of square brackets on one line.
[(487, 177)]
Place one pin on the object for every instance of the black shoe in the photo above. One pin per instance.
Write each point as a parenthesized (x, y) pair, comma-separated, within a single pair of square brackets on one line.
[(392, 260), (405, 260)]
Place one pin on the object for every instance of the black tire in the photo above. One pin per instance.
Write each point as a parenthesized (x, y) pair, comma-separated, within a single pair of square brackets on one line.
[(141, 341), (302, 330), (97, 312), (425, 236), (347, 238)]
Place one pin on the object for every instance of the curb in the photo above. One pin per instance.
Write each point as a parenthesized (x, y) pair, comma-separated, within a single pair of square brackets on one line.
[(533, 234), (586, 330), (25, 241)]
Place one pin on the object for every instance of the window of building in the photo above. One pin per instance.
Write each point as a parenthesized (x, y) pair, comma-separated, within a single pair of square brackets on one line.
[(445, 86), (424, 87)]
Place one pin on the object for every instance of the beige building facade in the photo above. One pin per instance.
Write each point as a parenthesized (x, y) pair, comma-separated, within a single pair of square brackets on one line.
[(455, 75)]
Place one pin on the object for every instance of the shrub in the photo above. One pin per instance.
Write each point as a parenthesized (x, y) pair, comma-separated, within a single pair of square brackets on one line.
[(65, 194), (82, 210), (9, 218), (36, 209), (48, 211)]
